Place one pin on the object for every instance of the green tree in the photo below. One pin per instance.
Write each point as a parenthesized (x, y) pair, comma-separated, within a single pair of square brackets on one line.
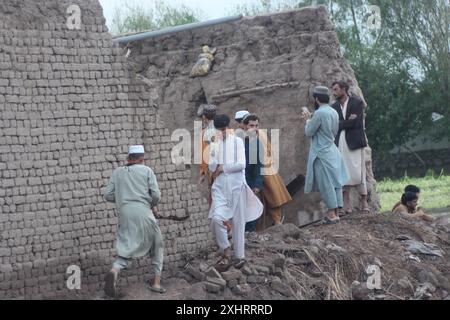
[(402, 67), (137, 18), (417, 34), (268, 6)]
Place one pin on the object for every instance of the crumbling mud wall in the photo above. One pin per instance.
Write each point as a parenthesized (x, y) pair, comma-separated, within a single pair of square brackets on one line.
[(69, 109), (266, 64)]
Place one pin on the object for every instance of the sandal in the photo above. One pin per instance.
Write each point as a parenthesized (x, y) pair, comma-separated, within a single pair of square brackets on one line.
[(157, 290), (328, 221), (239, 263)]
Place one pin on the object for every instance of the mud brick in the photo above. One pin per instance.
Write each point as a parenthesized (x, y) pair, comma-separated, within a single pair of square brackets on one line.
[(231, 274), (217, 281), (211, 287)]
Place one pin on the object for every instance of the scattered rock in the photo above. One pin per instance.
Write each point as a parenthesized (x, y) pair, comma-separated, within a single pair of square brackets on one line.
[(334, 247), (360, 291), (182, 275), (232, 283), (246, 270), (391, 245), (278, 272), (284, 231), (403, 237), (313, 249), (276, 279), (424, 291), (414, 246), (413, 257), (282, 288), (443, 282), (426, 276), (217, 281), (280, 262), (258, 238), (262, 269), (256, 279), (203, 267), (231, 274), (241, 289), (375, 261), (196, 274), (228, 294), (212, 288), (317, 242), (213, 273), (405, 283), (195, 292)]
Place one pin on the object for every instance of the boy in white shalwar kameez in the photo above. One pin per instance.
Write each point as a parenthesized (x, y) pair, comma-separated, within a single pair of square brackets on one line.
[(232, 199)]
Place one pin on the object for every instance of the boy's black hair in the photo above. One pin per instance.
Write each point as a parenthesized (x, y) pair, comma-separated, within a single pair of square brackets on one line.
[(408, 196), (135, 156), (412, 188), (323, 98), (250, 117), (221, 121)]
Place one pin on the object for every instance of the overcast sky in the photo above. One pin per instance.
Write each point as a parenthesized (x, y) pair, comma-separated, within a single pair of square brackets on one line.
[(210, 8)]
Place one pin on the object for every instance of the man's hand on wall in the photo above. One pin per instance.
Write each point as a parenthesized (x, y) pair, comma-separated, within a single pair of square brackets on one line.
[(156, 212)]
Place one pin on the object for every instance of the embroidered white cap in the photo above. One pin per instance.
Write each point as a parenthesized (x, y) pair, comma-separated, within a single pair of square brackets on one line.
[(241, 114), (136, 149)]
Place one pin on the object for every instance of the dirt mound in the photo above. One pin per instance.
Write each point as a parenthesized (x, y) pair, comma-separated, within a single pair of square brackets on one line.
[(331, 262), (323, 262)]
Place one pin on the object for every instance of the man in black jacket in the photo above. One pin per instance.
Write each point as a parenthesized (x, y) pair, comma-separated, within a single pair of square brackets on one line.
[(351, 140), (253, 152)]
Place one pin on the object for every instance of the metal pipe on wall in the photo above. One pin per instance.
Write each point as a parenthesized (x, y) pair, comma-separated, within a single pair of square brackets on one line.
[(171, 30)]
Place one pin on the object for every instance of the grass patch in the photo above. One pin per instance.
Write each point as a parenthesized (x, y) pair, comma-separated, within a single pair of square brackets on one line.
[(435, 191)]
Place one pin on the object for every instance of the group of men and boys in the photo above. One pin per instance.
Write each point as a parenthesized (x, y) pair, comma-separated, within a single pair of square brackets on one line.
[(244, 183), (239, 168)]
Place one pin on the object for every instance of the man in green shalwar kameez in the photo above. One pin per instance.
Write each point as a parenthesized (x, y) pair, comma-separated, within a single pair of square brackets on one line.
[(135, 191)]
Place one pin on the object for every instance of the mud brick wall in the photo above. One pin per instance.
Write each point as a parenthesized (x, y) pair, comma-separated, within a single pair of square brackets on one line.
[(267, 64), (69, 108)]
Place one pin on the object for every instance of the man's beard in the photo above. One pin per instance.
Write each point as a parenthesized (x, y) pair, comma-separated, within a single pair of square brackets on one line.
[(316, 106), (251, 134)]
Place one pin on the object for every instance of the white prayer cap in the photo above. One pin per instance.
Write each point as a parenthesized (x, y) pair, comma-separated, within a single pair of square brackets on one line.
[(136, 150), (241, 114)]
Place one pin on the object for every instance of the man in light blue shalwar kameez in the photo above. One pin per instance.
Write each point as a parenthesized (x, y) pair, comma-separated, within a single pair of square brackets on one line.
[(135, 191), (326, 171)]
